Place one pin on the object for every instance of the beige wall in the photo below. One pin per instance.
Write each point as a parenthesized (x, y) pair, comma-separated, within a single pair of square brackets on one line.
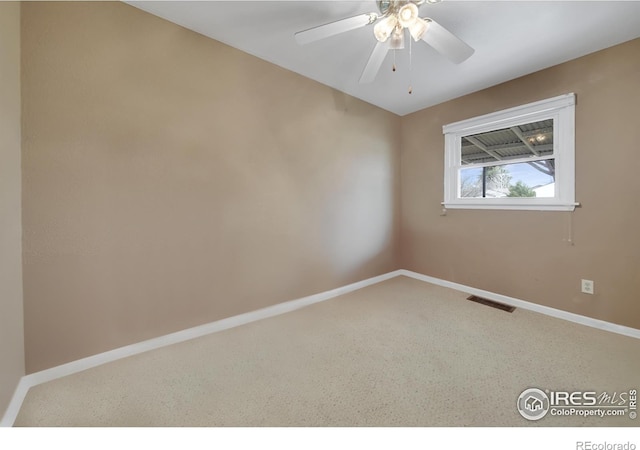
[(523, 253), (11, 318), (170, 181)]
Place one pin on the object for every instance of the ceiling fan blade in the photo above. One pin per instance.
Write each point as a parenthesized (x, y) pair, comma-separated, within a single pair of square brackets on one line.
[(376, 59), (333, 28), (446, 43)]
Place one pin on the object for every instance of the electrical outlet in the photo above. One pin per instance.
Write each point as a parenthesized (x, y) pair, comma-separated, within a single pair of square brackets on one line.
[(587, 286)]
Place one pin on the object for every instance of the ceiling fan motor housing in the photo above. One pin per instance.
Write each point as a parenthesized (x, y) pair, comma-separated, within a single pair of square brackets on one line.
[(387, 7)]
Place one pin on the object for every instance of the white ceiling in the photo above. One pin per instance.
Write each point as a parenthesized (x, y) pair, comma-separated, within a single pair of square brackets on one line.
[(511, 39)]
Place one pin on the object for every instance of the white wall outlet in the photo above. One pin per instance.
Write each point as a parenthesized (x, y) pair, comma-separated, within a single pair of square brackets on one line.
[(587, 286)]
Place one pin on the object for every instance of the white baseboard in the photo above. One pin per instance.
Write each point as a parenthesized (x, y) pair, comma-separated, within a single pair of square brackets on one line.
[(281, 308), (16, 403), (174, 338), (558, 313)]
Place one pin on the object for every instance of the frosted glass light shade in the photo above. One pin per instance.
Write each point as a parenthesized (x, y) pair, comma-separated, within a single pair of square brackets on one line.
[(383, 29), (397, 39), (408, 15), (418, 29)]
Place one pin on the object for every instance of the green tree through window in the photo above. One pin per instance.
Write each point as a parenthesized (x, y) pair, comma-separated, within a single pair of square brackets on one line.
[(520, 190)]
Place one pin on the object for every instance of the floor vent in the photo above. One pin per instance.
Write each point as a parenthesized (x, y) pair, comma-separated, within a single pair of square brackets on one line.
[(486, 301)]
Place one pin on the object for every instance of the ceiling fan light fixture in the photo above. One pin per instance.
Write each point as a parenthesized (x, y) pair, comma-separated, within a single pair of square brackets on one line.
[(383, 29), (397, 39), (418, 29), (408, 14)]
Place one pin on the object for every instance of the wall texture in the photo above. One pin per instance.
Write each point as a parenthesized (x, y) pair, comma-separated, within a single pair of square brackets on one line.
[(525, 254), (170, 181), (11, 316)]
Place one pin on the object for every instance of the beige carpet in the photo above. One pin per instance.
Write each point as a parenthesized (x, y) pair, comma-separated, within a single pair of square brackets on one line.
[(399, 353)]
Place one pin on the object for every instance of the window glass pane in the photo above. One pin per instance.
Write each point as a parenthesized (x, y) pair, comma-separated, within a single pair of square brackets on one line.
[(532, 179), (502, 159), (533, 139)]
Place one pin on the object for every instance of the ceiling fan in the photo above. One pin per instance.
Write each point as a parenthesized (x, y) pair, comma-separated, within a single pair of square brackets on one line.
[(395, 16)]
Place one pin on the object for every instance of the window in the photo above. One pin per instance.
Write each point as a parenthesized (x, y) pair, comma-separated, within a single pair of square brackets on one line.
[(519, 158)]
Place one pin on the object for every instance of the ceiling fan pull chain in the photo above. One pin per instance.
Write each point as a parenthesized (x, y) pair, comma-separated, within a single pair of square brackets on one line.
[(393, 69), (410, 59)]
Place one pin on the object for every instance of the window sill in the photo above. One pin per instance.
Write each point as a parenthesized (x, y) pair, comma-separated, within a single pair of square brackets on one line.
[(519, 207)]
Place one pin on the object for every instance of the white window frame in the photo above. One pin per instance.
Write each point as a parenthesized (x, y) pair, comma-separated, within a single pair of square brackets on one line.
[(562, 110)]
